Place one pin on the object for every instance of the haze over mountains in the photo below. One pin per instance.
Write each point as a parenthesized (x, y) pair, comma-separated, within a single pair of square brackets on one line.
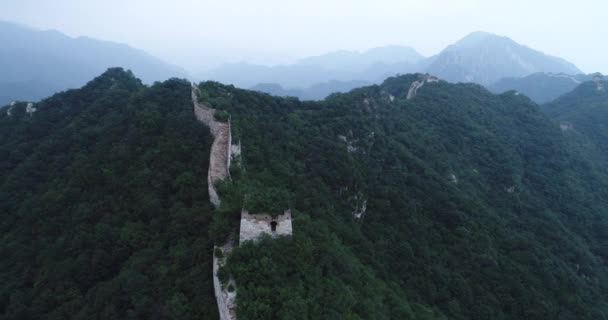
[(485, 58), (480, 57), (35, 64), (372, 65)]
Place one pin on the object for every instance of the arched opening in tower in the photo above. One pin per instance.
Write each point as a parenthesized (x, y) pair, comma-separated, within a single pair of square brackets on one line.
[(273, 226)]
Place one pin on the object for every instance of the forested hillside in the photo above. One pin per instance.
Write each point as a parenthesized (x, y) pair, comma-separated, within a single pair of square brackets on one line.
[(459, 201), (103, 205), (456, 204), (583, 116)]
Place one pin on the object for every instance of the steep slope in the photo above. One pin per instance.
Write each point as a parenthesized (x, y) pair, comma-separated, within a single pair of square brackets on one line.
[(104, 206), (457, 200), (540, 87), (485, 58), (40, 63)]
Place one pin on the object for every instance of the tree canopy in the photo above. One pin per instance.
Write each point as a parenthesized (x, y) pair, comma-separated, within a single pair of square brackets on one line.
[(457, 204)]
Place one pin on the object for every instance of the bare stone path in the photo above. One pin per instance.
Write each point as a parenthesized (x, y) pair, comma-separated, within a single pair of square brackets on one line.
[(219, 159)]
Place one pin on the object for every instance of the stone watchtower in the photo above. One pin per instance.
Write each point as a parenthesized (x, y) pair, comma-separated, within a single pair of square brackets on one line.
[(254, 225)]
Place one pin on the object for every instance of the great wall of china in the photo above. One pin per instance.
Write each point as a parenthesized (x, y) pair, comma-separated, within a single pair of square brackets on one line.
[(422, 79), (219, 165), (219, 160)]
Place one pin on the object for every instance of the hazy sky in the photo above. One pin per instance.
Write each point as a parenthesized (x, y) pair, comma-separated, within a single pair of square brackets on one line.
[(199, 33)]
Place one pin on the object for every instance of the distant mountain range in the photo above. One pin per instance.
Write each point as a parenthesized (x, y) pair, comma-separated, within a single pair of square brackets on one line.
[(361, 61), (373, 65), (315, 92), (37, 63), (485, 58), (541, 87), (480, 57)]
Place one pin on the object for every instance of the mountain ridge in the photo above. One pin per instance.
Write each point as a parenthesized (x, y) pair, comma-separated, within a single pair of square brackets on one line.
[(541, 87), (44, 62), (479, 57), (485, 58)]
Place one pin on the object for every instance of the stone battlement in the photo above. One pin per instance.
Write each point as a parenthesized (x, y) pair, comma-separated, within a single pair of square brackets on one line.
[(254, 225)]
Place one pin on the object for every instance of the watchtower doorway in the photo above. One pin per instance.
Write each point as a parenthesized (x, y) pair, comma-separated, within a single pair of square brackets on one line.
[(273, 226)]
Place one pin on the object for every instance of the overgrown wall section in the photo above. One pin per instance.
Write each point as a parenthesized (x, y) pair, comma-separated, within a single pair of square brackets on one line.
[(219, 164), (226, 300), (219, 160)]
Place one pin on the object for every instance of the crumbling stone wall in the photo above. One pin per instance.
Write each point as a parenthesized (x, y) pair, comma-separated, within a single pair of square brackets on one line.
[(219, 164), (219, 160), (226, 300)]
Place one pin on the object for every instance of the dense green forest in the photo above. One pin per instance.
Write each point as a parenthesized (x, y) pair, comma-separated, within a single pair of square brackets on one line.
[(476, 207), (583, 116), (457, 204), (103, 205)]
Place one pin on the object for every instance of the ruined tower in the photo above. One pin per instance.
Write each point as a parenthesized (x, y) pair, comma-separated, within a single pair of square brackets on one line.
[(254, 225)]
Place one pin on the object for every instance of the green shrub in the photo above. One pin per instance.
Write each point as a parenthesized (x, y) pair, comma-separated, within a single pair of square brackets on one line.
[(267, 200), (223, 274), (219, 253), (221, 115)]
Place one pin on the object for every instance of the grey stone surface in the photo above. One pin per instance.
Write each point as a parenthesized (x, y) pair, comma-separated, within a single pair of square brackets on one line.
[(219, 164), (226, 301), (254, 225), (219, 160)]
